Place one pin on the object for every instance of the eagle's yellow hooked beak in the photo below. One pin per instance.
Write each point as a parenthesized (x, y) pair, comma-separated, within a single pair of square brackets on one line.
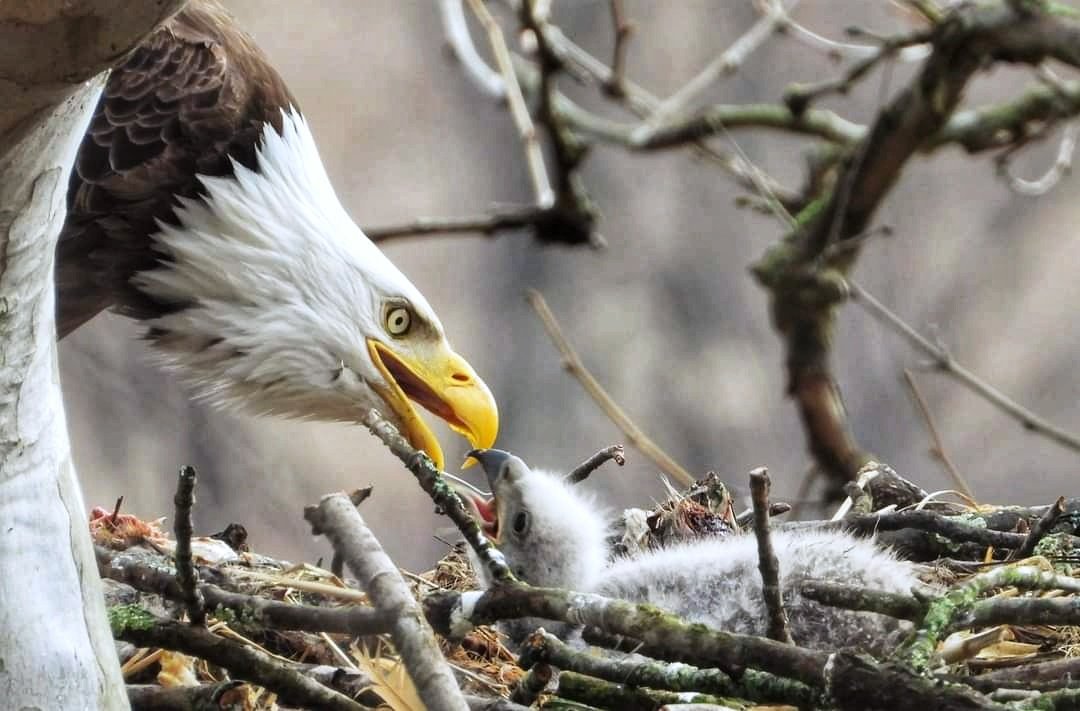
[(442, 382)]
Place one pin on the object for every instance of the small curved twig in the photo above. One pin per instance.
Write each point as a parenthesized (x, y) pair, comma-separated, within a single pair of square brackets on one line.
[(582, 471), (460, 40), (534, 155), (573, 365), (1049, 180), (944, 362)]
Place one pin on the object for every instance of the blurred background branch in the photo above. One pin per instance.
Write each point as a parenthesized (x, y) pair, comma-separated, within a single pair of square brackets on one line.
[(666, 317)]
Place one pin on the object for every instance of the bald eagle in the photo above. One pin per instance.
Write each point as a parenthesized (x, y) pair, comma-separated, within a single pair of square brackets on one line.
[(199, 206)]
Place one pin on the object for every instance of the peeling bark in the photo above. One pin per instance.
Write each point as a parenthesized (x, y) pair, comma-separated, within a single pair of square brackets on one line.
[(56, 650)]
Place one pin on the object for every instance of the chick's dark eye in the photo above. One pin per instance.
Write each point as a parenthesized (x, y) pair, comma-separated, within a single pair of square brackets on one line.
[(521, 523)]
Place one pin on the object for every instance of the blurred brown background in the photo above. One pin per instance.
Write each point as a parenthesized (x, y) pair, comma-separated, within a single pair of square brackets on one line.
[(667, 316)]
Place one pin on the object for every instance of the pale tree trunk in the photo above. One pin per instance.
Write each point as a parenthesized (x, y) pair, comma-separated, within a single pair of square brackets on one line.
[(56, 651)]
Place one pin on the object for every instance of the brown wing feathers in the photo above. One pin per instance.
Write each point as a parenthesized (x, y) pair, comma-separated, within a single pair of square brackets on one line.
[(195, 92)]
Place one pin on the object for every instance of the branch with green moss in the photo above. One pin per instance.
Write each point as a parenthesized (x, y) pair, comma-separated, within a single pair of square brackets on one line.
[(543, 647), (433, 482), (854, 597), (943, 613), (661, 634), (149, 572), (529, 688), (625, 697), (133, 624), (1058, 611)]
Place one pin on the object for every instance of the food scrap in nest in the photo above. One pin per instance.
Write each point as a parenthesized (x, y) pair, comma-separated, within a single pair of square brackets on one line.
[(118, 531), (703, 510)]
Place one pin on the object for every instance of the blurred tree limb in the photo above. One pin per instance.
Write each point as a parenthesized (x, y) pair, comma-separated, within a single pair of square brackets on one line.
[(851, 171), (805, 289)]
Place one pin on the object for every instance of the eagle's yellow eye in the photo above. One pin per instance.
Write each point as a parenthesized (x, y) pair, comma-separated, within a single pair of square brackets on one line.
[(398, 321)]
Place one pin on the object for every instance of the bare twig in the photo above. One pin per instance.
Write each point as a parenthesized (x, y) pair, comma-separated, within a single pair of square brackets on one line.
[(773, 17), (938, 447), (186, 577), (1040, 529), (746, 518), (944, 362), (338, 519), (851, 597), (1059, 671), (768, 564), (461, 43), (1061, 167), (582, 471), (567, 151), (623, 29), (837, 50), (573, 365), (500, 220), (712, 121), (114, 517), (534, 156), (635, 97), (433, 482), (800, 96)]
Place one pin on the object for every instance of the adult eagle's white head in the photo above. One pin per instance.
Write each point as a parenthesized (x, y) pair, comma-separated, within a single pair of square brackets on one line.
[(199, 205)]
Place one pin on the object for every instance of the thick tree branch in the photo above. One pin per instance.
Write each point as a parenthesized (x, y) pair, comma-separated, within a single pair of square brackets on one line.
[(133, 624), (337, 518), (152, 576), (753, 685)]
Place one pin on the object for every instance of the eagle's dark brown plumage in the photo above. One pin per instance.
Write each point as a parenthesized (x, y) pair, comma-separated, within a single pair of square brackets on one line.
[(199, 204), (194, 93)]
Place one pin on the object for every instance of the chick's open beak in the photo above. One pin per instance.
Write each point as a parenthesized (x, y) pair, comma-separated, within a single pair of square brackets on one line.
[(444, 384)]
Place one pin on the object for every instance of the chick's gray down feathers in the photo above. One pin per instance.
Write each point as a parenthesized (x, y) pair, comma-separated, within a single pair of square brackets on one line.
[(556, 535)]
